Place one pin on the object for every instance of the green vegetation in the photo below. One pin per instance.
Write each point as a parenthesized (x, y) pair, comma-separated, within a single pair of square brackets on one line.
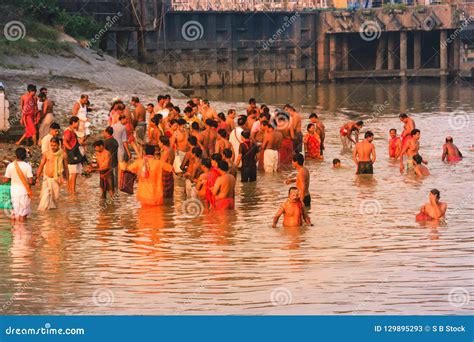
[(389, 7), (39, 35)]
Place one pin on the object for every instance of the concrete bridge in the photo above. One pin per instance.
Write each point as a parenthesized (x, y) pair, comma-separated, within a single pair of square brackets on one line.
[(215, 48)]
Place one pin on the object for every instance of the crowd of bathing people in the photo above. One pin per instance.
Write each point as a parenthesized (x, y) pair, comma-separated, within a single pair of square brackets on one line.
[(159, 141)]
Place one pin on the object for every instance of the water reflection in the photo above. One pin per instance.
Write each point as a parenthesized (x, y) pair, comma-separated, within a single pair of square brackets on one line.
[(365, 238)]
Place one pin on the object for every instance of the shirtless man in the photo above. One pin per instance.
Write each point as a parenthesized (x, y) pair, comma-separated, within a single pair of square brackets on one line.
[(202, 179), (345, 132), (408, 127), (207, 111), (230, 121), (167, 153), (286, 151), (451, 152), (187, 163), (394, 145), (29, 114), (302, 178), (104, 167), (296, 123), (320, 129), (410, 148), (364, 155), (193, 171), (196, 132), (222, 142), (420, 169), (139, 121), (252, 106), (251, 118), (293, 211), (228, 157), (434, 210), (210, 137), (181, 144), (224, 187), (270, 146), (54, 162)]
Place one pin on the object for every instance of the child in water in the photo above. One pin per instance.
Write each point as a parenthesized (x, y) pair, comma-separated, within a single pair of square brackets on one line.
[(420, 169)]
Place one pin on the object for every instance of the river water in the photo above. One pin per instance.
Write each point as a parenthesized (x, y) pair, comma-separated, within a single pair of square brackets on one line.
[(365, 253)]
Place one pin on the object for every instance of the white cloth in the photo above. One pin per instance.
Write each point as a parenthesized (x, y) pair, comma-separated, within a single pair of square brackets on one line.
[(255, 127), (49, 194), (21, 203), (120, 134), (236, 139), (74, 168), (178, 160), (83, 127), (270, 160), (45, 143)]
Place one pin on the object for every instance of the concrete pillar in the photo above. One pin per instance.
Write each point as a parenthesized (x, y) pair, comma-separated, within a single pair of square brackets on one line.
[(443, 53), (332, 55), (456, 54), (443, 94), (322, 68), (391, 51), (417, 50), (403, 96), (380, 52), (345, 52), (403, 54)]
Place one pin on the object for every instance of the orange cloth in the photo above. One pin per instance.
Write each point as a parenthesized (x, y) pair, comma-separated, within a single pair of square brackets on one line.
[(150, 186), (224, 204)]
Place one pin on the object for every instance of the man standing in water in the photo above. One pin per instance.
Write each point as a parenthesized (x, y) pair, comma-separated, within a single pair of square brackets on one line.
[(112, 146), (320, 129), (248, 155), (74, 156), (293, 211), (410, 148), (223, 189), (451, 152), (364, 155), (295, 120), (345, 132), (394, 145), (20, 176), (181, 140), (302, 178), (408, 127), (104, 162), (139, 121), (270, 146), (29, 114), (54, 162)]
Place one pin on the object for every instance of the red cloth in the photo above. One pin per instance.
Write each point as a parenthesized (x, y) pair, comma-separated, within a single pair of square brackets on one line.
[(313, 147), (454, 159), (343, 131), (211, 180), (168, 184), (405, 139), (286, 151), (224, 204), (70, 137), (29, 116), (393, 146), (423, 217)]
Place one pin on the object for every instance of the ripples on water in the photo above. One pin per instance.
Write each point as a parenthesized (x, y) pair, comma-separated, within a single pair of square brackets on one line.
[(98, 258)]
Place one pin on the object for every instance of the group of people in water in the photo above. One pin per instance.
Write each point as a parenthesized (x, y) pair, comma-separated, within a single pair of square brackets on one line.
[(157, 142)]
